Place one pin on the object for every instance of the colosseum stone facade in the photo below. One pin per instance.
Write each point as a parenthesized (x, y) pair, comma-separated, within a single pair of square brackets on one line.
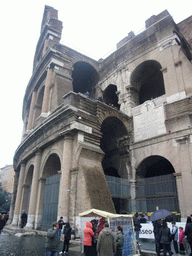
[(113, 134)]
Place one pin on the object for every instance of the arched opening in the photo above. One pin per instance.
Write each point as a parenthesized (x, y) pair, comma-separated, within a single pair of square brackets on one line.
[(114, 162), (85, 77), (110, 96), (154, 166), (147, 79), (156, 185), (27, 189), (50, 190)]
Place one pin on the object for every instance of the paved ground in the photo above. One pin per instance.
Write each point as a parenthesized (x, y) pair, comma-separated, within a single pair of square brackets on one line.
[(30, 245), (34, 245)]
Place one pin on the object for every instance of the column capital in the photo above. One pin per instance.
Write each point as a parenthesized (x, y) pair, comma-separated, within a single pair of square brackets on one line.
[(68, 135), (163, 70), (37, 151), (132, 182), (42, 179), (23, 162), (177, 175), (74, 170), (25, 186)]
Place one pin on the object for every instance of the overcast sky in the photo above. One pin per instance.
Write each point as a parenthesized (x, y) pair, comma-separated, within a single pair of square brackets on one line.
[(90, 27)]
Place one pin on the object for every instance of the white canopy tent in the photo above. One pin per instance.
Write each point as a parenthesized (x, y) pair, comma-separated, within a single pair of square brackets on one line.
[(124, 220)]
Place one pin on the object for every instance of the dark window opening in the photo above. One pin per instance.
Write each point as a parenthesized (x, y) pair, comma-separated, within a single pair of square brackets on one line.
[(155, 166), (85, 77), (121, 205), (147, 78), (110, 96), (110, 171)]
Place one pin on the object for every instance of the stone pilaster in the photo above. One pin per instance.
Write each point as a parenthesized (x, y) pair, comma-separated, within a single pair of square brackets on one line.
[(34, 189), (13, 198), (18, 197), (48, 82), (40, 197), (24, 198), (73, 196), (64, 189), (133, 195), (31, 111)]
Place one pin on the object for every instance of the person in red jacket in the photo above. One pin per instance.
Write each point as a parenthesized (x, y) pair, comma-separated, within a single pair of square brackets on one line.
[(101, 226), (87, 241)]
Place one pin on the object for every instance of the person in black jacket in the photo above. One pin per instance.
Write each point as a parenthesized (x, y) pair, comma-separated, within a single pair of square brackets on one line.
[(156, 230), (165, 239), (23, 219), (67, 238), (137, 226), (188, 233), (52, 240), (61, 223)]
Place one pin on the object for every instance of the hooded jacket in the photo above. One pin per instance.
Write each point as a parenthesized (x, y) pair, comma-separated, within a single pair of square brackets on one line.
[(88, 234), (106, 242)]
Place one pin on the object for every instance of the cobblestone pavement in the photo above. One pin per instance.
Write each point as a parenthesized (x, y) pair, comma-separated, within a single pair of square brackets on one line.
[(11, 245), (149, 246), (33, 245)]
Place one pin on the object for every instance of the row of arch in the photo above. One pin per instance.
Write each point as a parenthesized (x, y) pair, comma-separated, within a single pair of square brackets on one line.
[(147, 79), (114, 165)]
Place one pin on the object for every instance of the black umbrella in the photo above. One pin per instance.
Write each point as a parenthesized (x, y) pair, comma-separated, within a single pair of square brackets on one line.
[(160, 214)]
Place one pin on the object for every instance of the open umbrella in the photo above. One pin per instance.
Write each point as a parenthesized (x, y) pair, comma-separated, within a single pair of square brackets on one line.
[(160, 214)]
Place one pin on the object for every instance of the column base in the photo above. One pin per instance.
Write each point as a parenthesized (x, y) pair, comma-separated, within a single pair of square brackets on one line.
[(15, 221), (38, 219), (30, 222)]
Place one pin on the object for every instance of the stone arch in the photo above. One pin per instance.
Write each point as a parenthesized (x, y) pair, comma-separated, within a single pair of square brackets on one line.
[(28, 165), (115, 144), (156, 185), (127, 121), (154, 166), (147, 79), (48, 191), (45, 157), (110, 96), (85, 77), (113, 133), (26, 191)]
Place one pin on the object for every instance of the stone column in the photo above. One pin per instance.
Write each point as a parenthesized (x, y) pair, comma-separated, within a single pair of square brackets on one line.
[(40, 198), (31, 111), (73, 196), (133, 195), (181, 195), (48, 82), (131, 99), (18, 197), (34, 189), (165, 78), (24, 198), (13, 198), (64, 189)]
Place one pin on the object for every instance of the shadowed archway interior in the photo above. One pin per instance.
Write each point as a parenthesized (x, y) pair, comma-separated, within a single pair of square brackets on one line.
[(147, 79)]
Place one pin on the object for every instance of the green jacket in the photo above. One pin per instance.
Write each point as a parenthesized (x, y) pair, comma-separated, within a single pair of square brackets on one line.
[(52, 241), (119, 240)]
